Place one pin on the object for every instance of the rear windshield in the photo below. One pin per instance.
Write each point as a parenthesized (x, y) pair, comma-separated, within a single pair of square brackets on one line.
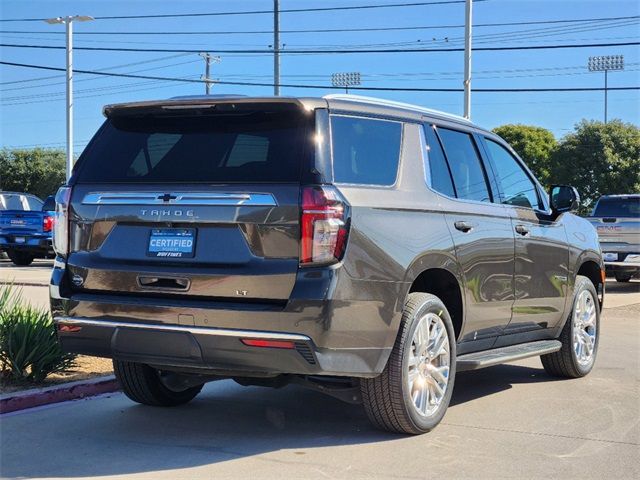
[(16, 201), (250, 146), (618, 207)]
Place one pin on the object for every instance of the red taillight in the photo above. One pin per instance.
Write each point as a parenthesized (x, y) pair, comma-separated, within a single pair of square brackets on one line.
[(47, 223), (268, 343), (68, 328), (323, 224)]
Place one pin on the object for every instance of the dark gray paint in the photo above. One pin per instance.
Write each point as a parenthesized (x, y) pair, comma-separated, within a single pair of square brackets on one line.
[(514, 289)]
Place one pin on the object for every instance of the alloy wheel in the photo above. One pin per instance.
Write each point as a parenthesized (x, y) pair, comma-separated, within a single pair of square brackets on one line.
[(428, 364)]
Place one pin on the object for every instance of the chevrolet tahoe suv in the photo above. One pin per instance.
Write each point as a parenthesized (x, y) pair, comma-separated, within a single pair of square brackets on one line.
[(363, 248), (617, 221)]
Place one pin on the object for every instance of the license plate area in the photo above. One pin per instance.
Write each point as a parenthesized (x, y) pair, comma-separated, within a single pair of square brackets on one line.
[(172, 243), (20, 239), (610, 257)]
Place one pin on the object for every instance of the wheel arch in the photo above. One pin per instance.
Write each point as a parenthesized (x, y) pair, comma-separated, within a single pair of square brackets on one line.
[(439, 274), (593, 271)]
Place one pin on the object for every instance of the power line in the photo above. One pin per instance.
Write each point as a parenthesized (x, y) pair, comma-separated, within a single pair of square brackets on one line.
[(331, 51), (123, 65), (259, 12), (328, 87), (336, 30), (103, 69), (449, 41)]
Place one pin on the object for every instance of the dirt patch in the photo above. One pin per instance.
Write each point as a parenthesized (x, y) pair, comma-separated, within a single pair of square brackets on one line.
[(86, 367)]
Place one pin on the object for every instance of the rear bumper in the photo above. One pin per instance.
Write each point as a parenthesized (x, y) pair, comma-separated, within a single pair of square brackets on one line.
[(210, 350), (207, 349), (32, 243), (331, 336)]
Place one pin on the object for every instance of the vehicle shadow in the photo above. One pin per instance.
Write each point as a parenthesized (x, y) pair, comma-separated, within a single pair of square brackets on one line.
[(471, 385), (623, 287), (112, 436)]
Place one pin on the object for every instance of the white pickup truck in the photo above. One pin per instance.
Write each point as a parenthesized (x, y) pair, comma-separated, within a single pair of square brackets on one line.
[(617, 220)]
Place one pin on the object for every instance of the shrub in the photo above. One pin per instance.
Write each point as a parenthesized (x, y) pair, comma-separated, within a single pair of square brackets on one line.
[(29, 350)]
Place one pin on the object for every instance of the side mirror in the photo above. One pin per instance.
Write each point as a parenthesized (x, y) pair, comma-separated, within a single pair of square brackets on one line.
[(564, 198)]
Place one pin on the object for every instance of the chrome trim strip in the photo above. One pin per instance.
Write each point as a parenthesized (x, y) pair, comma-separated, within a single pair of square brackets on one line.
[(220, 332), (181, 198)]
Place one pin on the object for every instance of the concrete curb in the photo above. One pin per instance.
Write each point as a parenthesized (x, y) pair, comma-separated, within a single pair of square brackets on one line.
[(11, 402), (26, 284)]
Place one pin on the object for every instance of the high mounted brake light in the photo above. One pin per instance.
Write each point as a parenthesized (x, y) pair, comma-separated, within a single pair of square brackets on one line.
[(61, 221), (324, 225)]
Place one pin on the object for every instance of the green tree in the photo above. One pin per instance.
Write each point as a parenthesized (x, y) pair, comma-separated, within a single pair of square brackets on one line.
[(535, 145), (599, 159), (37, 171)]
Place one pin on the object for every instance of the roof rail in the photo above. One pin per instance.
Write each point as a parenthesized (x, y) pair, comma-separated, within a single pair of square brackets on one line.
[(206, 97), (391, 103)]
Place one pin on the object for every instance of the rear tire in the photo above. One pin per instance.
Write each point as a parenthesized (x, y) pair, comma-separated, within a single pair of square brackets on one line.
[(21, 259), (580, 335), (623, 277), (142, 384), (420, 360)]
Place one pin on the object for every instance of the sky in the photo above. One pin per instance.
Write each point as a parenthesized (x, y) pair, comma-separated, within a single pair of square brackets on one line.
[(32, 102)]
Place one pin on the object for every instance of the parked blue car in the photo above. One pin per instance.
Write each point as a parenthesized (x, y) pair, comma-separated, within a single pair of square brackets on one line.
[(26, 227)]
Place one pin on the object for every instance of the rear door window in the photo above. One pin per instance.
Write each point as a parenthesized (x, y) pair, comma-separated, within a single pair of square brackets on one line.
[(365, 151), (467, 170), (256, 146), (439, 174)]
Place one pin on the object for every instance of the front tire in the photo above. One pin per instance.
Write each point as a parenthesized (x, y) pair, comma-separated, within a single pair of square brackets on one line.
[(142, 384), (413, 392), (20, 259), (580, 335)]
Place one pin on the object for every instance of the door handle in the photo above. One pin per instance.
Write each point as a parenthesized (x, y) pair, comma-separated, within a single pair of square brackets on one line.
[(522, 230), (463, 226)]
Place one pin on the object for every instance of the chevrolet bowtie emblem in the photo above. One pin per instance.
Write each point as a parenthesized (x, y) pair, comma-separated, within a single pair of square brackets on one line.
[(166, 197)]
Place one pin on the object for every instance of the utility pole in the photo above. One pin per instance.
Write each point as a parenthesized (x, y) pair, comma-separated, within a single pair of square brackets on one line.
[(468, 21), (208, 58), (276, 47), (68, 22), (604, 63)]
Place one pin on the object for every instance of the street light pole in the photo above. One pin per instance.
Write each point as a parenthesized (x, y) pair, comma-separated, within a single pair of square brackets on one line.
[(68, 22), (69, 43)]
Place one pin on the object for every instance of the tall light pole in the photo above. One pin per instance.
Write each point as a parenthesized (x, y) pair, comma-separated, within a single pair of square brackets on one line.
[(346, 80), (604, 63), (68, 22), (468, 21), (276, 47)]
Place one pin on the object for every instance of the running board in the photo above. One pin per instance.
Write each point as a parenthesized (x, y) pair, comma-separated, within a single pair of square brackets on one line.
[(496, 356)]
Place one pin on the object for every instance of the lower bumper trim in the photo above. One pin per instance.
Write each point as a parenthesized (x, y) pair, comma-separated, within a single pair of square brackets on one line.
[(220, 332)]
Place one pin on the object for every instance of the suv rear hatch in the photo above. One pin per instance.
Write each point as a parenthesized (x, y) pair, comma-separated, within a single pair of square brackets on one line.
[(199, 201)]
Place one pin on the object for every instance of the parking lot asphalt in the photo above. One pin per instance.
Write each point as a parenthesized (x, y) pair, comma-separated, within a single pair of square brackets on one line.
[(505, 421)]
